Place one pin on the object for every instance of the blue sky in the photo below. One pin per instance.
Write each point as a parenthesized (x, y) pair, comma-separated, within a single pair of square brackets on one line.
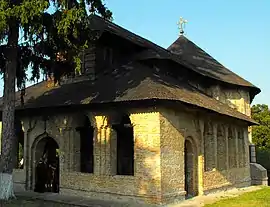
[(236, 33)]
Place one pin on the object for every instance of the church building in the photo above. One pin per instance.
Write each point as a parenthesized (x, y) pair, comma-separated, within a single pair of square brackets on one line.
[(140, 122)]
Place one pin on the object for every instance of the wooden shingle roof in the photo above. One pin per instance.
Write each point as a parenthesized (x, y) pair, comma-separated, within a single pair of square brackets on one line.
[(203, 63), (130, 82), (182, 51)]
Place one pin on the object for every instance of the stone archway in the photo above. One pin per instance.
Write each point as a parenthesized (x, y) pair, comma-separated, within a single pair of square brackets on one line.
[(191, 168), (45, 148)]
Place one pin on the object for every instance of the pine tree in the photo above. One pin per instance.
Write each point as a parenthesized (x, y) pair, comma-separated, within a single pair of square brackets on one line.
[(32, 37)]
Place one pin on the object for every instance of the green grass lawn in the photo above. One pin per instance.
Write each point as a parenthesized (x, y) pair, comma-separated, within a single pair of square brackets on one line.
[(260, 198)]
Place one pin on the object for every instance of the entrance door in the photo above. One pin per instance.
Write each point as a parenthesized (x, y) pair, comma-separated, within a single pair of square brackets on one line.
[(46, 166), (190, 170)]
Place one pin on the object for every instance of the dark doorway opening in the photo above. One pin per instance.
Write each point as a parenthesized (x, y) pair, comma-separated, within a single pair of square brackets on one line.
[(47, 168), (125, 146), (86, 146), (191, 185)]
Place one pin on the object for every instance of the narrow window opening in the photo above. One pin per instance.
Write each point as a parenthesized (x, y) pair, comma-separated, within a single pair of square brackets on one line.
[(125, 147), (86, 147)]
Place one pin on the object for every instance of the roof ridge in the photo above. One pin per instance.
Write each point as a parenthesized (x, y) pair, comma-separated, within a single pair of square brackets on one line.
[(208, 57), (166, 53), (197, 46), (122, 28)]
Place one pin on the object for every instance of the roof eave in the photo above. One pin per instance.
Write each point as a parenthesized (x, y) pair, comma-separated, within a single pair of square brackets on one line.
[(248, 120)]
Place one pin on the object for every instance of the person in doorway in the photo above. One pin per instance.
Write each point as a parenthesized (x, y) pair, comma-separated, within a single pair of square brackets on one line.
[(56, 176), (41, 176)]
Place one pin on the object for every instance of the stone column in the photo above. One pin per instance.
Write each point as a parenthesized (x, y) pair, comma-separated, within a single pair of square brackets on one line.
[(246, 148), (201, 159), (241, 150), (226, 147), (71, 150), (236, 148), (232, 147), (215, 145), (97, 151), (76, 144), (28, 163), (209, 151), (64, 148), (103, 151), (147, 162), (102, 147), (110, 151), (113, 152)]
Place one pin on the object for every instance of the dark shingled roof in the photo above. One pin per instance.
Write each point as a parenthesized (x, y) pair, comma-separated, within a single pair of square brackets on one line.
[(182, 51), (204, 63), (130, 82)]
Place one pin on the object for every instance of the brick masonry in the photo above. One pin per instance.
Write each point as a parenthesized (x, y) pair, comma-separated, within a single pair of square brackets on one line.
[(218, 153)]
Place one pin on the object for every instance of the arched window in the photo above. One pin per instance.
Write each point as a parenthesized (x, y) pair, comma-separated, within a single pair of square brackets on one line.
[(125, 146)]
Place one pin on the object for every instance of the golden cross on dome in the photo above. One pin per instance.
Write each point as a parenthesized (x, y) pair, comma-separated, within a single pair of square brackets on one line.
[(181, 25)]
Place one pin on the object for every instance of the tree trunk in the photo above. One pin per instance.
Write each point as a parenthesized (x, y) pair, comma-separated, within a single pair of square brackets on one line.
[(8, 148)]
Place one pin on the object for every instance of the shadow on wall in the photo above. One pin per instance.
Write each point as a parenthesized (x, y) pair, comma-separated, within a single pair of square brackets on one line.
[(213, 177), (180, 158)]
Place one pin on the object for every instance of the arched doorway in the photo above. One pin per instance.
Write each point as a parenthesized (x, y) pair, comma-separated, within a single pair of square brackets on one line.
[(46, 166), (191, 169)]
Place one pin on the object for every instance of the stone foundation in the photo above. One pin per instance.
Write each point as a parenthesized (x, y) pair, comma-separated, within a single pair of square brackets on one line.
[(142, 200), (19, 180)]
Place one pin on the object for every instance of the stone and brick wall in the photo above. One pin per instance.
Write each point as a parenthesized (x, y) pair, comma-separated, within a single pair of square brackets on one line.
[(235, 98), (145, 185), (212, 159), (172, 157), (159, 166)]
